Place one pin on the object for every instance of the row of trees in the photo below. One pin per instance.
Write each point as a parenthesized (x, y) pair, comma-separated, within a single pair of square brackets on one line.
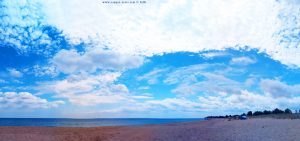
[(266, 112), (256, 113)]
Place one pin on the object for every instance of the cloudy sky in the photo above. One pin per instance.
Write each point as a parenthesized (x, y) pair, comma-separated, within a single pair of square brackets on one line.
[(183, 58)]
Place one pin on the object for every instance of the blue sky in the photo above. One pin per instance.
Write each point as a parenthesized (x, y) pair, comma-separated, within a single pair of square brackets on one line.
[(159, 59)]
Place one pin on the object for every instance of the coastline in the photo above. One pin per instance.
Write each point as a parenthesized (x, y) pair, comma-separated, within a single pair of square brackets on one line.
[(214, 130), (90, 122)]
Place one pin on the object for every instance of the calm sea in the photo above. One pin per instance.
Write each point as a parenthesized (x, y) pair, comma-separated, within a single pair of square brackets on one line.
[(86, 122)]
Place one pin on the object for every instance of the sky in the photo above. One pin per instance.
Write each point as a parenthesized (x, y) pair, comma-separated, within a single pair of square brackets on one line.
[(159, 59)]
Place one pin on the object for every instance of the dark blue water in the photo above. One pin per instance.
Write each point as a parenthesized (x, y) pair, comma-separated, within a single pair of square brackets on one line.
[(61, 122)]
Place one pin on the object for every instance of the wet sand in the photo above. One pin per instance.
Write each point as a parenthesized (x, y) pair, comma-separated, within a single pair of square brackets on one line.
[(211, 130)]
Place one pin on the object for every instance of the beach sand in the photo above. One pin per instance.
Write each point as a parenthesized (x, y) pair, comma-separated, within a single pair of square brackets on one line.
[(210, 130)]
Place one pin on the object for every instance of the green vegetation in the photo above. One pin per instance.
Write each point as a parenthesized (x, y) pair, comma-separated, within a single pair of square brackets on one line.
[(278, 116), (276, 113)]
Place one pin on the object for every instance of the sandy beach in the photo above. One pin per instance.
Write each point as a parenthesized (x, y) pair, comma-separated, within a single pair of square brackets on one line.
[(210, 130)]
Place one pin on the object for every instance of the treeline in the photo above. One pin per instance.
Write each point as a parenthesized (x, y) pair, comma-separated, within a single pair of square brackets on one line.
[(266, 112), (256, 113), (227, 116)]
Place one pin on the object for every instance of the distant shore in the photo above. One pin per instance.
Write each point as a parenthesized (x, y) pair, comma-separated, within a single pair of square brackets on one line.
[(256, 129)]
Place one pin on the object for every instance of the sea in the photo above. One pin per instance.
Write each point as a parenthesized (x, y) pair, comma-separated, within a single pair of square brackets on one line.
[(68, 122)]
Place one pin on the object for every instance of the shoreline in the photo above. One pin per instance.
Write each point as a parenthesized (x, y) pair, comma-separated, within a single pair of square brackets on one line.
[(96, 122), (213, 130)]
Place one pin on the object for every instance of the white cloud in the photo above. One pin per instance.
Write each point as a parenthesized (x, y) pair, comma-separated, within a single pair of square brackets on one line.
[(85, 90), (242, 61), (15, 73), (246, 101), (157, 27), (39, 70), (168, 104), (71, 61), (135, 108), (212, 84), (94, 99), (175, 104), (279, 89), (144, 88), (203, 79), (250, 82), (152, 76), (141, 97), (23, 25), (25, 100), (214, 104), (209, 55), (187, 73)]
